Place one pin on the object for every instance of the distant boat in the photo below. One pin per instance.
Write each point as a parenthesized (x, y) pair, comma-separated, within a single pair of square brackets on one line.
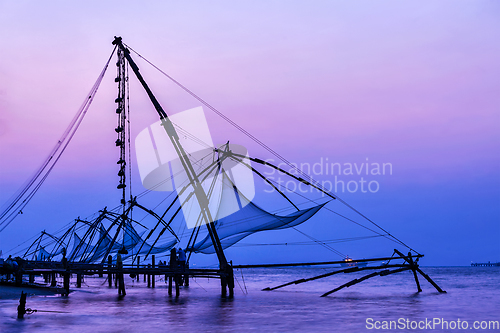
[(348, 262)]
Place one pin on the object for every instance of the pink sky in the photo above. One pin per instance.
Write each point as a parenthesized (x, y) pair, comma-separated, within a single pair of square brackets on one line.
[(410, 83)]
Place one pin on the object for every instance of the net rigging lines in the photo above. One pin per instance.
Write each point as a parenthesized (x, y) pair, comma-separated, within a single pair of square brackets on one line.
[(18, 202)]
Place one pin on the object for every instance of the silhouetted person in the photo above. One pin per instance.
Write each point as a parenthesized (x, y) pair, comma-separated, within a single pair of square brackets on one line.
[(173, 258), (119, 274), (173, 266), (181, 257)]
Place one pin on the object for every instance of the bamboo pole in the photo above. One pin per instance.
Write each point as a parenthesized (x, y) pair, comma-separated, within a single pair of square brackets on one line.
[(153, 282), (149, 276), (320, 263), (138, 262), (110, 276)]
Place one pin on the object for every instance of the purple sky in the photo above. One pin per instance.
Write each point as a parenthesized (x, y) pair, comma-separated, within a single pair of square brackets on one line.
[(414, 84)]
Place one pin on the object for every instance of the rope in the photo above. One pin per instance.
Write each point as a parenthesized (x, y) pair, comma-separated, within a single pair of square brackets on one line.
[(334, 241), (345, 217), (239, 285), (241, 271), (321, 243), (263, 145), (24, 196)]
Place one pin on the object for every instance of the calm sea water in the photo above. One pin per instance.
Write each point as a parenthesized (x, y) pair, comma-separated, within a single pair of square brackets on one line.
[(473, 294)]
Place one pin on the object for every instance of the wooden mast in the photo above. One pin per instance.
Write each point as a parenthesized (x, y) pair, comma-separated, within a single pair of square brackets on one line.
[(186, 163)]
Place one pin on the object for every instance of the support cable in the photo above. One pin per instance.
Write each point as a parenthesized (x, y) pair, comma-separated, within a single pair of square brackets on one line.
[(263, 145), (19, 201)]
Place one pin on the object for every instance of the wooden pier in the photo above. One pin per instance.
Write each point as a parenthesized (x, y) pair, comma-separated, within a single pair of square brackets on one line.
[(485, 264), (177, 276)]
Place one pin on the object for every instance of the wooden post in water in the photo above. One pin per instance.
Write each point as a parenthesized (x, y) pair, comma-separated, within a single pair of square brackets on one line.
[(414, 270), (173, 268), (430, 281), (110, 276), (21, 308), (149, 276), (138, 262), (153, 282), (413, 266), (32, 278), (223, 284), (186, 276), (230, 280), (78, 280), (53, 280), (66, 282), (19, 278), (177, 280)]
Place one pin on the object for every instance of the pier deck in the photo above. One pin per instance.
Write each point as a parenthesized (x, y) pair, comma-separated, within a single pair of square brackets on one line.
[(485, 264), (176, 275)]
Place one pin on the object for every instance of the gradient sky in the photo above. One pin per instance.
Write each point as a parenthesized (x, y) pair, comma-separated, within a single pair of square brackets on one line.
[(415, 84)]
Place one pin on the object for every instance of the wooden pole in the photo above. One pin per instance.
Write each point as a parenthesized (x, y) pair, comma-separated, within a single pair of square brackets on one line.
[(223, 284), (53, 280), (149, 276), (66, 282), (345, 270), (153, 282), (78, 280), (350, 283), (170, 285), (230, 280), (430, 281), (138, 262), (177, 291), (356, 281), (110, 276), (320, 263), (19, 278), (186, 162), (173, 269), (21, 308), (186, 276), (413, 266)]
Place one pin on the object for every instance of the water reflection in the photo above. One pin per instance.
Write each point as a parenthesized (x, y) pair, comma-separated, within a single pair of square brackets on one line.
[(96, 308)]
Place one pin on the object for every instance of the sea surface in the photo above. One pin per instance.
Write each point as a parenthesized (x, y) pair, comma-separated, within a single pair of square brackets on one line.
[(473, 295)]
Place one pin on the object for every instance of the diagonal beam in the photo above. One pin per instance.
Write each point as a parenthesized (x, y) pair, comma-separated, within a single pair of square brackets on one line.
[(265, 179), (346, 270), (302, 180), (366, 277), (434, 284), (186, 163)]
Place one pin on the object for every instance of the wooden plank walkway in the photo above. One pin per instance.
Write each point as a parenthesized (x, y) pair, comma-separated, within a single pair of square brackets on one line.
[(176, 275), (485, 264)]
